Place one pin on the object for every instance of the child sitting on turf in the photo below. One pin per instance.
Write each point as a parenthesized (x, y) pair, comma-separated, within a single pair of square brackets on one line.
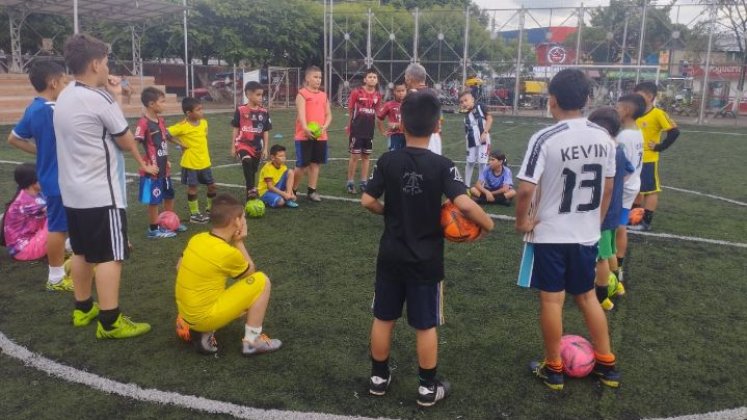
[(477, 123), (630, 107), (156, 189), (25, 219), (607, 118), (251, 139), (495, 183), (390, 112), (204, 302), (275, 185), (410, 264), (195, 163)]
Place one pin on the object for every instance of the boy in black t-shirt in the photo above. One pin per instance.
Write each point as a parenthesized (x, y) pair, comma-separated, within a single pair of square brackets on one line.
[(410, 265)]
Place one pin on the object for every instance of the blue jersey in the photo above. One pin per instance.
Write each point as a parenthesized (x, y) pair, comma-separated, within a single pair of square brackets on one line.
[(493, 182), (37, 124), (612, 219)]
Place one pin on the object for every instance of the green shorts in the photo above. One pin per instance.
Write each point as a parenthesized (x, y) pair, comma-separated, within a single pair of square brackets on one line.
[(607, 247)]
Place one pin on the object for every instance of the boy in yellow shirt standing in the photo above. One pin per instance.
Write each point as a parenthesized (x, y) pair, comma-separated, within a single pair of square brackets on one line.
[(195, 163), (653, 122)]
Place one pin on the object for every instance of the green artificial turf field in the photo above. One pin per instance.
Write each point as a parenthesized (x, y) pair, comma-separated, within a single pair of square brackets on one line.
[(680, 333)]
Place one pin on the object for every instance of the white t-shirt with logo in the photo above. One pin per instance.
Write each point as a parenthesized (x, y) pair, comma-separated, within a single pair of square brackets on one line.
[(568, 162), (91, 165), (632, 142)]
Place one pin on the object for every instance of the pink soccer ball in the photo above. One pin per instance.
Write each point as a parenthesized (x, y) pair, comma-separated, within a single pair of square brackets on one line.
[(169, 220), (578, 356)]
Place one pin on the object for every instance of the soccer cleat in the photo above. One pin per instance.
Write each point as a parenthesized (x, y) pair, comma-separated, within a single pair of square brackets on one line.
[(182, 329), (160, 233), (642, 227), (263, 344), (362, 186), (619, 289), (81, 319), (64, 285), (204, 343), (181, 228), (315, 197), (430, 395), (198, 218), (553, 380), (607, 304), (608, 375), (123, 327), (291, 204), (378, 385), (350, 188)]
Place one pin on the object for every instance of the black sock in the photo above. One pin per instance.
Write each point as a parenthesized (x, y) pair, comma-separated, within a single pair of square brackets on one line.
[(427, 376), (153, 227), (380, 369), (635, 206), (311, 190), (191, 197), (601, 293), (108, 317), (620, 261), (648, 216), (84, 305)]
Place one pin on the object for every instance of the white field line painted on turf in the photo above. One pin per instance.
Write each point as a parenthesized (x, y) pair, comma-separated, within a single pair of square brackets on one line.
[(733, 414), (151, 395), (715, 197)]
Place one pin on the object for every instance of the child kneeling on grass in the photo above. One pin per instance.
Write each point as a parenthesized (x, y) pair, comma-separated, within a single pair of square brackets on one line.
[(202, 299), (275, 185)]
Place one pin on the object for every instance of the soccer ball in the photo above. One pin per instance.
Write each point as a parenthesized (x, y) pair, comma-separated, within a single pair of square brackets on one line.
[(636, 216), (456, 227), (169, 220), (255, 208), (577, 355), (315, 128)]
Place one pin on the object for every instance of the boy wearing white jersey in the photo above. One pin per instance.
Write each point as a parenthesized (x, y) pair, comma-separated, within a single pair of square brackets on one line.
[(630, 107), (567, 176)]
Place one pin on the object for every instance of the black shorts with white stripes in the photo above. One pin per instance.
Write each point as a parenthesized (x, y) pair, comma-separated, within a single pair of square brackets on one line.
[(99, 234)]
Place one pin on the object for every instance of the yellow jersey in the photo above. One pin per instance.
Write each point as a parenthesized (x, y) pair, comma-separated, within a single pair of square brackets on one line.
[(652, 124), (196, 156), (269, 172), (207, 262)]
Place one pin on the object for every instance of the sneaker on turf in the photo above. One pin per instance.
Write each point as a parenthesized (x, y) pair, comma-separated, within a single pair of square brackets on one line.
[(160, 233), (641, 227), (553, 380), (607, 375), (198, 218), (315, 197), (430, 395), (607, 304), (64, 285), (263, 344), (81, 319), (123, 327), (291, 204), (350, 188), (182, 228), (362, 186), (204, 342), (619, 289), (378, 385), (182, 329)]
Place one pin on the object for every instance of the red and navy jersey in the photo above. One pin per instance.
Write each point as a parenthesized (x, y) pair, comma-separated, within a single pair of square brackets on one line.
[(252, 123), (362, 106), (153, 136), (390, 111)]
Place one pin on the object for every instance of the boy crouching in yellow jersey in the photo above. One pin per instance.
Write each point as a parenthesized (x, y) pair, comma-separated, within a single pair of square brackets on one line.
[(202, 298)]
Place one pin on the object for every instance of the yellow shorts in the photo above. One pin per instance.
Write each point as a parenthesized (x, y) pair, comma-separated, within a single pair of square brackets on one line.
[(232, 303)]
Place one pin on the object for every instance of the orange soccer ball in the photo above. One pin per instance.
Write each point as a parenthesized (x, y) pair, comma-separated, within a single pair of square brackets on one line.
[(456, 227), (636, 216)]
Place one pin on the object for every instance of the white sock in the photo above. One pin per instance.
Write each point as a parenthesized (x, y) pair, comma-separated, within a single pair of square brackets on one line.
[(468, 173), (68, 247), (56, 274), (251, 333)]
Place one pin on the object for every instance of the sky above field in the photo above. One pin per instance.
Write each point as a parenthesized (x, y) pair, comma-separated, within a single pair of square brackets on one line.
[(687, 11)]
